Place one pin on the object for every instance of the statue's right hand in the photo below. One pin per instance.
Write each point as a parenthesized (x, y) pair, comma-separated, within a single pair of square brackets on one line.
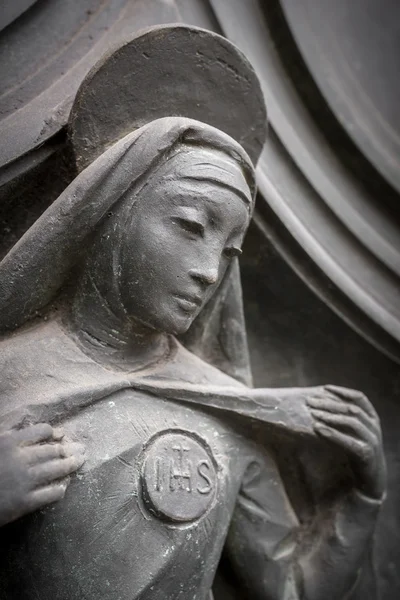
[(34, 467)]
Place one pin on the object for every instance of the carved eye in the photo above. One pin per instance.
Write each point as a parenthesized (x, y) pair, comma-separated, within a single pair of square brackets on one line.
[(232, 251), (191, 226)]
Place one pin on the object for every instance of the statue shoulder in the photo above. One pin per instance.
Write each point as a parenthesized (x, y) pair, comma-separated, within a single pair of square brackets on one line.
[(27, 344), (35, 362)]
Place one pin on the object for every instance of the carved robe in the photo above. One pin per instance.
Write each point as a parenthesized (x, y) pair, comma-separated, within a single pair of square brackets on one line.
[(166, 486)]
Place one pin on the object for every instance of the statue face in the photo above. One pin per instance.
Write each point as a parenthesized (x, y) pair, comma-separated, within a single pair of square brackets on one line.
[(181, 238)]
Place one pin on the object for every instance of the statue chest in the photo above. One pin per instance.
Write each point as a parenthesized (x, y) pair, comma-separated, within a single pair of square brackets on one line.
[(176, 462), (152, 503)]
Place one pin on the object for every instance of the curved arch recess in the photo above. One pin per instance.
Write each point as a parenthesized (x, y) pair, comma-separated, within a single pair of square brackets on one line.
[(340, 228)]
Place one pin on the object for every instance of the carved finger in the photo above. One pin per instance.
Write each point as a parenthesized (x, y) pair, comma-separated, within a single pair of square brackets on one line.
[(58, 433), (43, 452), (34, 434), (55, 469), (328, 404), (47, 495), (340, 407), (356, 448), (353, 396), (349, 423)]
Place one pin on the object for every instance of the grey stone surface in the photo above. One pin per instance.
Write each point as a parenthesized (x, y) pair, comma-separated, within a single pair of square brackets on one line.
[(295, 339), (183, 461)]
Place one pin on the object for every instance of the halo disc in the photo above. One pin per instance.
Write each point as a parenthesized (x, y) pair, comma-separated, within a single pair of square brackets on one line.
[(173, 70)]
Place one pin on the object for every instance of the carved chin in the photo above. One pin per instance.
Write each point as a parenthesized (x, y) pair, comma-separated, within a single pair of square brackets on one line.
[(177, 320), (181, 325), (173, 324)]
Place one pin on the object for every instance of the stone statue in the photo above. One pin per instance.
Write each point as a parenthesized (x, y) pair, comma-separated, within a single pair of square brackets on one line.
[(132, 265)]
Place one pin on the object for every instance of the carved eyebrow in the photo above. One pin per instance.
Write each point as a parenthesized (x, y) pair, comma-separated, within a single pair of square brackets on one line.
[(190, 211), (205, 211), (202, 212)]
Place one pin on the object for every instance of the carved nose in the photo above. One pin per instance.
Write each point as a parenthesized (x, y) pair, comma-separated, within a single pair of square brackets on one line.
[(205, 277)]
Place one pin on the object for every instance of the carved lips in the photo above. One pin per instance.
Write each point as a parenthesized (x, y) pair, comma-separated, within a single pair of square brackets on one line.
[(189, 303)]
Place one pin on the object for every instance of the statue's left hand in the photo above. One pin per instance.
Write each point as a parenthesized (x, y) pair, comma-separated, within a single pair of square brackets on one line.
[(347, 418)]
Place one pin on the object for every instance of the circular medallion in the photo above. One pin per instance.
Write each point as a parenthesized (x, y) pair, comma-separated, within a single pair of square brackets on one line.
[(179, 477)]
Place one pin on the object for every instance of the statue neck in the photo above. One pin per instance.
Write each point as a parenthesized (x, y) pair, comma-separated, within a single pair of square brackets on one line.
[(107, 335)]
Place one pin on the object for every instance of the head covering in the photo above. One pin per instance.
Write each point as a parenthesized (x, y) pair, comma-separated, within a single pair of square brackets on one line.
[(35, 269)]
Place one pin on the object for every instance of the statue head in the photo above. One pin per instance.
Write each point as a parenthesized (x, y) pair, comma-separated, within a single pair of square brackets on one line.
[(160, 216), (170, 241)]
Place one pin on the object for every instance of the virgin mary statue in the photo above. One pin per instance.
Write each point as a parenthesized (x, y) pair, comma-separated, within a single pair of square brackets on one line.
[(122, 322)]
